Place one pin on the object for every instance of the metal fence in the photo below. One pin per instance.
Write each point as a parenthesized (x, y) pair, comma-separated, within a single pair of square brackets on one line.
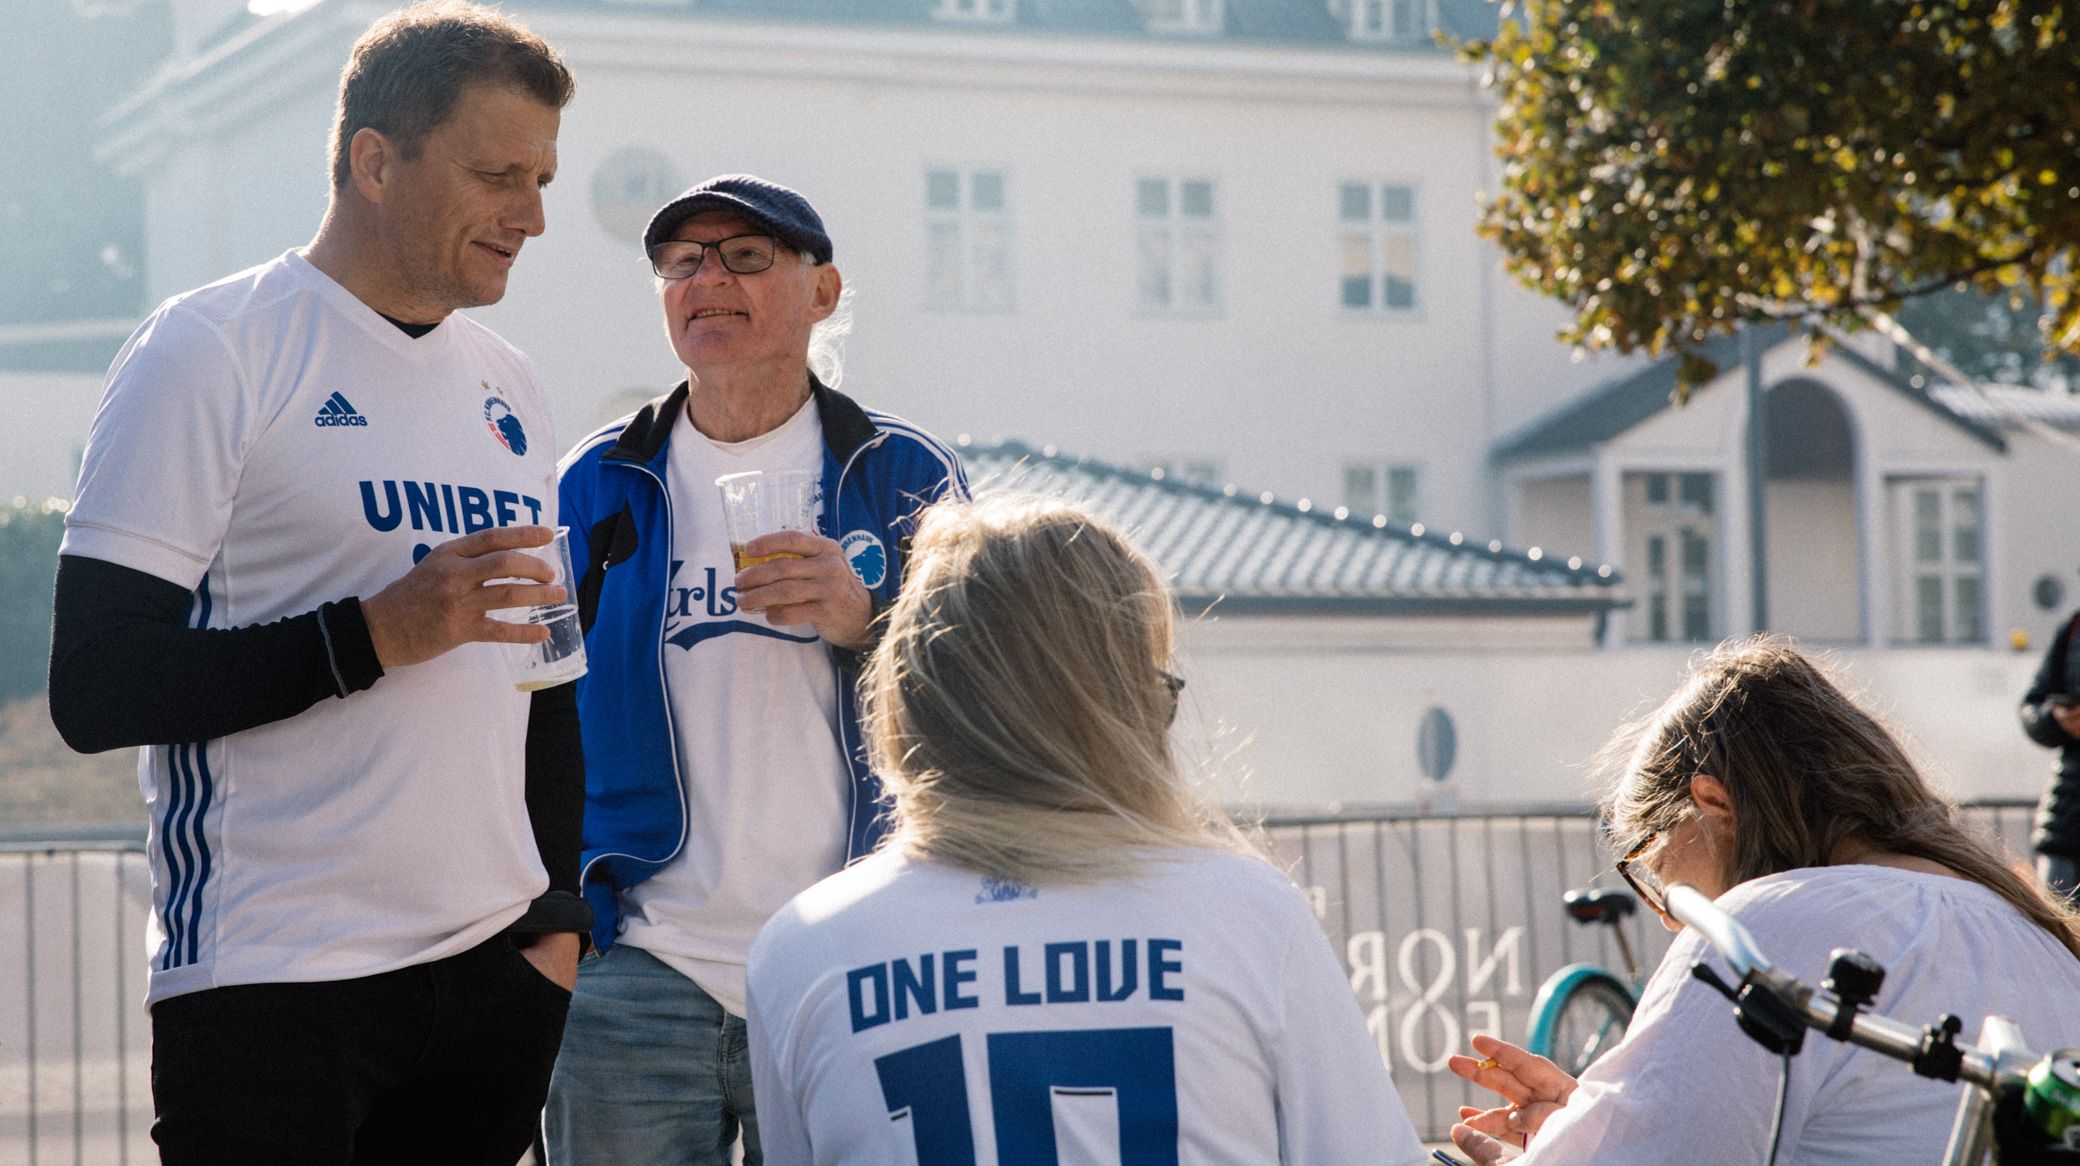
[(1447, 926), (75, 1044)]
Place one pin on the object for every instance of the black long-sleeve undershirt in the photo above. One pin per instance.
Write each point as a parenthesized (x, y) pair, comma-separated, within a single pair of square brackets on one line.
[(126, 670)]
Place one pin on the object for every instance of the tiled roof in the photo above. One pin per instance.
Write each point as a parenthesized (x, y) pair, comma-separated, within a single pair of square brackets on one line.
[(1618, 405), (2010, 406), (1245, 20), (1256, 553)]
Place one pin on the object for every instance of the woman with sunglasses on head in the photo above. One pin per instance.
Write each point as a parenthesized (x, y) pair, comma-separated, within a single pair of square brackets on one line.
[(1764, 786), (1062, 952)]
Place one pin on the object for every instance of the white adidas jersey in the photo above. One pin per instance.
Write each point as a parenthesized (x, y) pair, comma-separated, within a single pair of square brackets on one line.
[(270, 443), (916, 1012)]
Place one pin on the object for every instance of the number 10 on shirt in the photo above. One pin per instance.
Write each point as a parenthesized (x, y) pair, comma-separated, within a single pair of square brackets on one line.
[(1112, 1092)]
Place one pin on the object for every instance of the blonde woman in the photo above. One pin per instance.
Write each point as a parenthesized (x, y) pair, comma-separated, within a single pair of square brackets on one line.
[(1760, 783), (1062, 953)]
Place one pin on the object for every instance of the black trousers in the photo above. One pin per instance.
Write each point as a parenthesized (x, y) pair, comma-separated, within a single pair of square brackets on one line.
[(445, 1063)]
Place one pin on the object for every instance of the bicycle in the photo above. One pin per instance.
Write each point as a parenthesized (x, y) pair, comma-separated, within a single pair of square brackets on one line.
[(1583, 1010), (2022, 1106)]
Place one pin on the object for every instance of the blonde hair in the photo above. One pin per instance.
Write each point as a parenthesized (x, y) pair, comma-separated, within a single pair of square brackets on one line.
[(1806, 770), (1017, 709)]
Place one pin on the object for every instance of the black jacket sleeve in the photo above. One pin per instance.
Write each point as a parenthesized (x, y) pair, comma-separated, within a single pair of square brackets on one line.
[(556, 810), (126, 669), (2037, 720), (556, 783)]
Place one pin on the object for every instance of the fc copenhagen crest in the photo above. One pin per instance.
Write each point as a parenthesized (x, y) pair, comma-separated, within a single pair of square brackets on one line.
[(868, 557), (504, 424)]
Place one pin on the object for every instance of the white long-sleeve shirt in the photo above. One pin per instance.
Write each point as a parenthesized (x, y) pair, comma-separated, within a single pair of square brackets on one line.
[(1686, 1085)]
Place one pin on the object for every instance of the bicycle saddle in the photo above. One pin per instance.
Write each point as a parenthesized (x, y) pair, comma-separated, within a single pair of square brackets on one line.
[(1599, 906)]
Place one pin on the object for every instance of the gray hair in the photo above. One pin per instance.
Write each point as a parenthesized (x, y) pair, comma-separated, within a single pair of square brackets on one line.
[(827, 339)]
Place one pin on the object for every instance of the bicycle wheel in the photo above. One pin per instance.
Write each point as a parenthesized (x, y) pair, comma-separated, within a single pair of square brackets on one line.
[(1589, 1021)]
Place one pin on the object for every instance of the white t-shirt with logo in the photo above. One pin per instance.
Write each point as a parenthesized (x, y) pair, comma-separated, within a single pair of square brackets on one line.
[(270, 443), (918, 1012), (755, 714)]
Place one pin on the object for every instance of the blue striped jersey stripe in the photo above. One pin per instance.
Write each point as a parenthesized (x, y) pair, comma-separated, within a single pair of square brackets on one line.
[(183, 841)]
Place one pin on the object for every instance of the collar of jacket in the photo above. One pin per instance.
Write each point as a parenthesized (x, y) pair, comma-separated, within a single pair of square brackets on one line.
[(846, 426)]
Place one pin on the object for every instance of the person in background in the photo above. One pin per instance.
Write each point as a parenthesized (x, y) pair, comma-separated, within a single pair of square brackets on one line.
[(2051, 717), (721, 742), (1765, 787), (302, 483), (1061, 952)]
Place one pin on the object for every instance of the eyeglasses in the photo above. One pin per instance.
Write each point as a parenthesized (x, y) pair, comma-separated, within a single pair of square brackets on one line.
[(1175, 684), (1642, 879), (743, 254)]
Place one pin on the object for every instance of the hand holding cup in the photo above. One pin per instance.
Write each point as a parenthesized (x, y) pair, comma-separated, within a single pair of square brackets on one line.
[(444, 601)]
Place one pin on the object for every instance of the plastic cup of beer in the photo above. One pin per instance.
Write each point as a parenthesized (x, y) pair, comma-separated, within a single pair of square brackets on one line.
[(763, 501), (559, 659)]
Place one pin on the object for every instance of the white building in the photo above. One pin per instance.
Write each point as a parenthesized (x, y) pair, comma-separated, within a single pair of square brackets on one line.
[(1231, 237), (1894, 517), (1339, 661), (1233, 240)]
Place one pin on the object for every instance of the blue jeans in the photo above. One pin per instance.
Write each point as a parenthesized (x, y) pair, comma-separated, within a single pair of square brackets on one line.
[(652, 1070)]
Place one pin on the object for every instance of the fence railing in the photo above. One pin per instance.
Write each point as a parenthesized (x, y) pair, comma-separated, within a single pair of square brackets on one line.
[(75, 1043), (1446, 925)]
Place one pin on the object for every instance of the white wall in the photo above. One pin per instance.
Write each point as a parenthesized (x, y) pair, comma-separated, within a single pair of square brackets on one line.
[(1815, 592), (1555, 514), (1309, 726), (2034, 533), (44, 418)]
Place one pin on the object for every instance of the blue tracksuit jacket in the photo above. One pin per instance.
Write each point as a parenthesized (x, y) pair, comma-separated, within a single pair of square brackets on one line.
[(878, 472)]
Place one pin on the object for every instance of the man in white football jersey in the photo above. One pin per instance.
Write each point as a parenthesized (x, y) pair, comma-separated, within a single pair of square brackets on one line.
[(302, 483), (1061, 954)]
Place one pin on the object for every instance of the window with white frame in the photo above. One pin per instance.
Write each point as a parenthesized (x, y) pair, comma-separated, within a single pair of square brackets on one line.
[(1183, 15), (1377, 239), (1388, 20), (967, 227), (1388, 488), (1673, 535), (974, 9), (1177, 244), (1940, 555)]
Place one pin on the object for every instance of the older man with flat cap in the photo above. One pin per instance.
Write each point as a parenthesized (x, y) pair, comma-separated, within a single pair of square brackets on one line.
[(722, 748)]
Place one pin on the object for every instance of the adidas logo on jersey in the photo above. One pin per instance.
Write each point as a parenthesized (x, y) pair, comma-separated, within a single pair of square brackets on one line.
[(336, 411)]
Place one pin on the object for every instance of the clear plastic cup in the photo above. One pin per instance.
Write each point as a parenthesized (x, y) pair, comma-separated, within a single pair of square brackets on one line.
[(763, 501), (559, 659)]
